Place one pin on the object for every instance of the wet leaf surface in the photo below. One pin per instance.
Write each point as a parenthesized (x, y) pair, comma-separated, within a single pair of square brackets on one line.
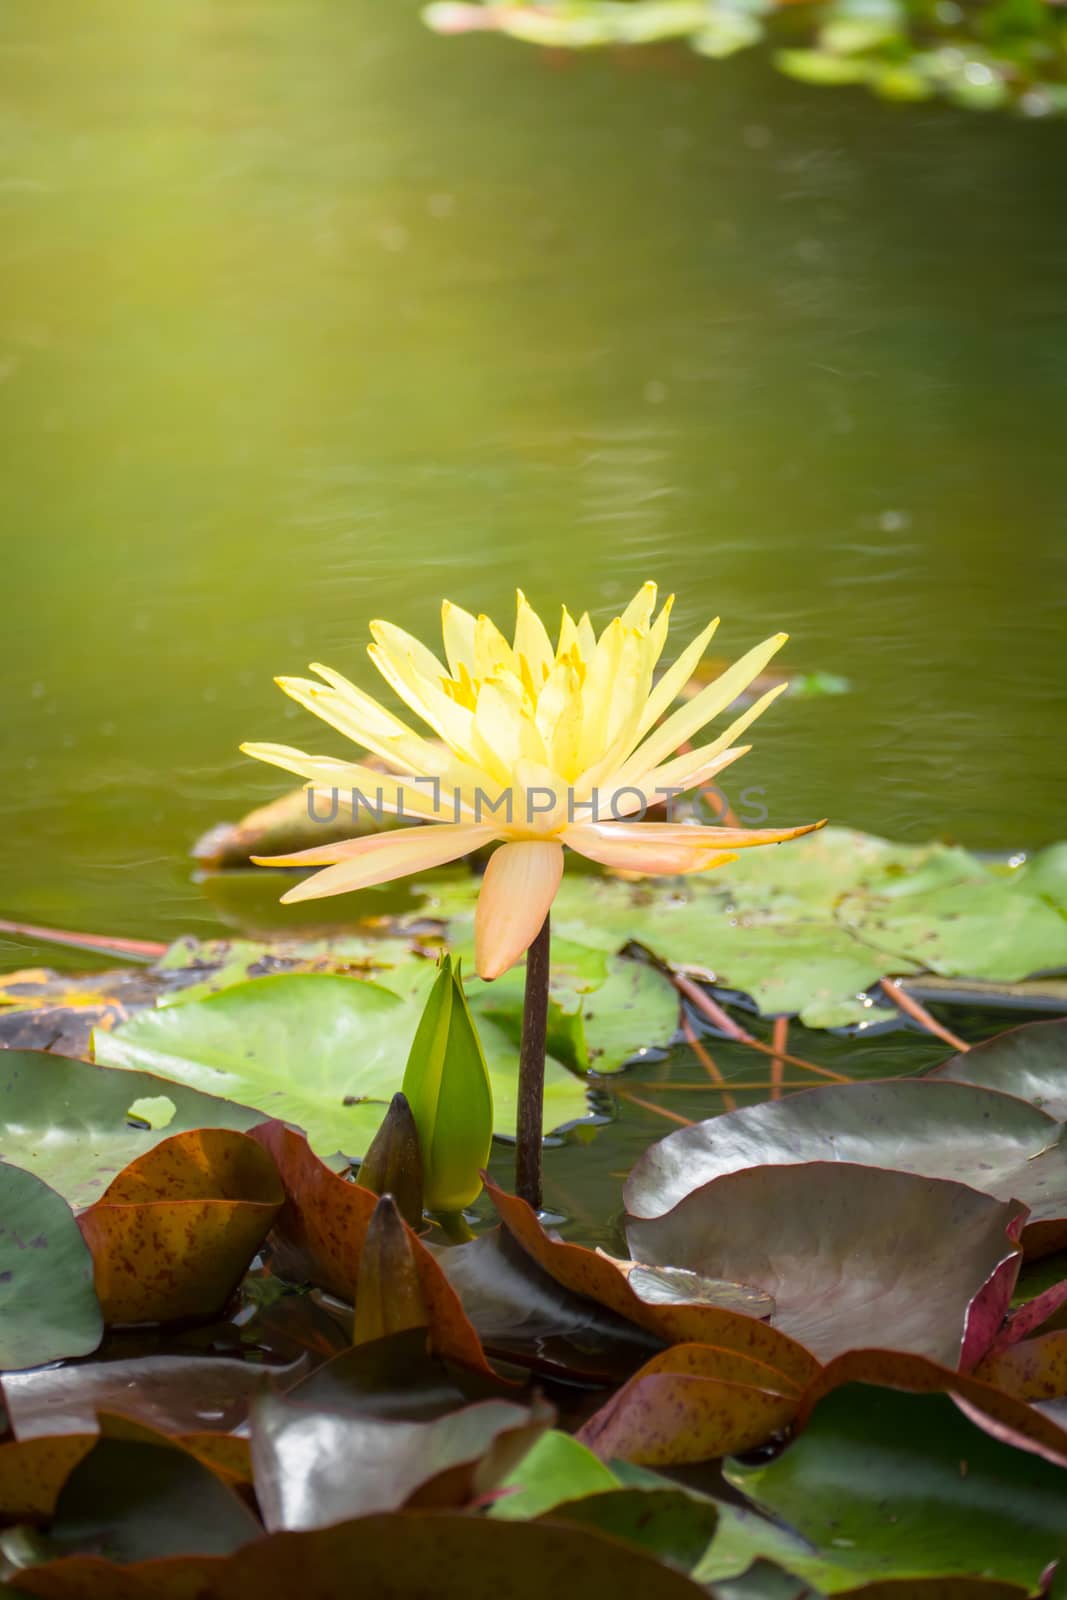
[(396, 1556), (692, 1403), (69, 1122), (48, 1307), (324, 1052), (993, 1142), (586, 1273), (884, 1484), (313, 1468), (172, 1235), (129, 1499), (852, 1255), (1030, 1062)]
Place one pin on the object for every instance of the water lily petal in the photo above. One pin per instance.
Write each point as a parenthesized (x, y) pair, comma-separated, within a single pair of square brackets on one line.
[(384, 856), (519, 886), (378, 791), (657, 858), (676, 677), (457, 629), (691, 835), (532, 643), (690, 718), (360, 718), (677, 773)]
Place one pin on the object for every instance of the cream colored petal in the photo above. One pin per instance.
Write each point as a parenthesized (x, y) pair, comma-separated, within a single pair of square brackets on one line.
[(638, 613), (519, 886), (686, 835), (532, 643), (362, 719), (385, 856), (457, 628), (654, 788), (657, 858), (492, 653), (674, 680), (658, 633), (559, 718), (597, 690), (696, 713), (450, 721), (403, 647), (378, 791), (585, 637), (676, 773), (505, 726)]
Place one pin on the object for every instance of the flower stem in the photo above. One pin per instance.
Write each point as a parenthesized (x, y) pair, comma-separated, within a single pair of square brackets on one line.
[(528, 1127)]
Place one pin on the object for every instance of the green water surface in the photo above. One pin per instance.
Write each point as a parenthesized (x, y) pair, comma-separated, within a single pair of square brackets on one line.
[(308, 316)]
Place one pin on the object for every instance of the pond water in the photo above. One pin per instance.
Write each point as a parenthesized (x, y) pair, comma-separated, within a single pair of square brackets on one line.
[(308, 316)]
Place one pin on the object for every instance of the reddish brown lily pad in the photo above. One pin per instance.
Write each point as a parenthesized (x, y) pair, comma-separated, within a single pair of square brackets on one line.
[(172, 1234), (586, 1273), (691, 1403), (852, 1255), (451, 1556)]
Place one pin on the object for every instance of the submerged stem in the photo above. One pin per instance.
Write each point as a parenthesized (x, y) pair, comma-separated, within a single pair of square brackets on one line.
[(528, 1125)]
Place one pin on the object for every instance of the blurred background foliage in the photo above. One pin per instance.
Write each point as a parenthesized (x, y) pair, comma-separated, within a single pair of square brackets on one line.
[(981, 54)]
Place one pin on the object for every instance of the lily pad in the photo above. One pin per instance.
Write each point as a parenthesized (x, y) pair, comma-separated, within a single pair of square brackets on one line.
[(172, 1235), (806, 928), (450, 1555), (324, 1052), (882, 1484), (852, 1255), (48, 1307), (314, 1467), (1030, 1062), (990, 1141), (70, 1123)]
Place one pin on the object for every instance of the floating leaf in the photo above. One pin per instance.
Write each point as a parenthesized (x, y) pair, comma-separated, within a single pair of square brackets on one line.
[(1033, 1369), (313, 1468), (70, 1122), (48, 1307), (667, 1522), (171, 1236), (975, 1136), (852, 1255), (326, 1053), (692, 1403), (557, 1467), (586, 1273), (138, 1498), (1030, 1062), (883, 1484), (451, 1556)]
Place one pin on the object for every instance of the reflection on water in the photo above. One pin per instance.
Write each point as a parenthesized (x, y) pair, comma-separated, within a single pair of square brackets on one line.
[(307, 316)]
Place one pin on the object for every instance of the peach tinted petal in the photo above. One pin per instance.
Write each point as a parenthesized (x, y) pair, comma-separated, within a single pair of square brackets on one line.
[(519, 886), (385, 856)]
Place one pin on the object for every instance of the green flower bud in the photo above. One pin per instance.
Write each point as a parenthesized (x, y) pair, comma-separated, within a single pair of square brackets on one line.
[(447, 1087)]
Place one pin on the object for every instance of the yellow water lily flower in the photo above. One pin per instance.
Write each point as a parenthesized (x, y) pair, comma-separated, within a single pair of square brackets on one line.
[(534, 744)]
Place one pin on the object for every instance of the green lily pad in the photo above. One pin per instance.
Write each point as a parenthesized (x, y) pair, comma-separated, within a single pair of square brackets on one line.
[(853, 1256), (324, 1052), (806, 928), (69, 1122), (883, 1484), (994, 1142), (48, 1307), (1030, 1062)]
